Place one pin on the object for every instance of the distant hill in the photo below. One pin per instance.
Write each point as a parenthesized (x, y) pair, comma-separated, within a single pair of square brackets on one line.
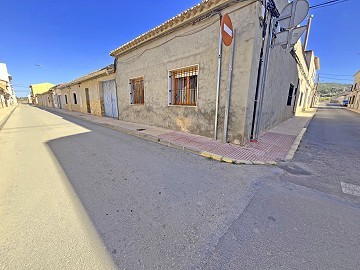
[(332, 89)]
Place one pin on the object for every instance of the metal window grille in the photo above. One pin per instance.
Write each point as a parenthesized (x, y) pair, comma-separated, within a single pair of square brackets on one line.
[(137, 91), (183, 86)]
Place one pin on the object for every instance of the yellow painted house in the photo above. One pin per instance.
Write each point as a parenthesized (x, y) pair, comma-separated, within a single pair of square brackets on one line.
[(40, 88)]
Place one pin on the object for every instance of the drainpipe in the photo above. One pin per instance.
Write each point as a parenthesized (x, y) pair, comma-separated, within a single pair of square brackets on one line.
[(218, 82), (261, 61), (264, 77), (116, 90)]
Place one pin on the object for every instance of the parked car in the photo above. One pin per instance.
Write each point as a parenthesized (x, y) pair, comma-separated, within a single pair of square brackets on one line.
[(345, 102)]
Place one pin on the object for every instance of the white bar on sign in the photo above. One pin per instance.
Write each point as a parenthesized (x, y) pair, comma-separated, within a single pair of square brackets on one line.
[(228, 30)]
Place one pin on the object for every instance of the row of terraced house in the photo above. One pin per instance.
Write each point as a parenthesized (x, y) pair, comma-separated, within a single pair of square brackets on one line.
[(354, 96), (168, 77), (7, 94)]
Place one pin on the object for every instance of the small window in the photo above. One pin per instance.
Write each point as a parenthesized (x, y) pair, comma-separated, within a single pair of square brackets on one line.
[(66, 101), (137, 91), (75, 99), (183, 85), (290, 95), (301, 97)]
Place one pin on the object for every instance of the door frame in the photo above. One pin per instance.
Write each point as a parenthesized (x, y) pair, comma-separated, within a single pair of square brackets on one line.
[(87, 100), (116, 97)]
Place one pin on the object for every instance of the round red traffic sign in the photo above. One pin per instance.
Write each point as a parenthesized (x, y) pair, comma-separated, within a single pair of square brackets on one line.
[(227, 31)]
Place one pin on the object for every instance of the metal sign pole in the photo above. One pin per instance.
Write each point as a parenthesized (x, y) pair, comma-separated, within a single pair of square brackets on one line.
[(218, 86), (227, 106)]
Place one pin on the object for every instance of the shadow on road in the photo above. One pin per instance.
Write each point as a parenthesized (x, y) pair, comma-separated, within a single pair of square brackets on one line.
[(153, 206)]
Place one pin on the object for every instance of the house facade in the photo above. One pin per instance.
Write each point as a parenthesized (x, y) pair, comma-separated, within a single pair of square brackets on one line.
[(93, 93), (7, 94), (308, 65), (167, 77), (45, 99), (354, 96), (37, 89)]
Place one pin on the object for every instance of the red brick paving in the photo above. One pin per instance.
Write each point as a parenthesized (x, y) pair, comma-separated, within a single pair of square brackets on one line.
[(272, 146), (269, 147)]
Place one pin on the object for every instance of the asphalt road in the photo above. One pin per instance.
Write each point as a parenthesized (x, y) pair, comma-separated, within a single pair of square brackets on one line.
[(329, 153), (304, 220), (43, 225), (153, 207), (72, 188)]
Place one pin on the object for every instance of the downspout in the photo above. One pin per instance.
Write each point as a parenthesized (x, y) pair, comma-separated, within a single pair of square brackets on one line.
[(264, 77), (116, 90), (261, 61)]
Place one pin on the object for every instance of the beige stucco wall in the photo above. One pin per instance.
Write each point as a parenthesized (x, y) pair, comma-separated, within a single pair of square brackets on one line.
[(176, 50), (307, 87), (95, 95), (181, 49), (355, 94), (45, 99), (281, 72)]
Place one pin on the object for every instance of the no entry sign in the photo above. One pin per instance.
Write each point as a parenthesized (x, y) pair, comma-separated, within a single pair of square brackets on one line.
[(227, 31)]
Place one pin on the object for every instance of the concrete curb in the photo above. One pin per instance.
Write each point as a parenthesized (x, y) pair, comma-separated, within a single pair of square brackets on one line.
[(195, 151), (130, 132), (353, 110), (6, 118), (294, 147), (225, 159)]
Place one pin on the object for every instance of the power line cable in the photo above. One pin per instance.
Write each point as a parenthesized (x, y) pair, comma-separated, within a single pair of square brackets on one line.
[(328, 74), (334, 79), (131, 60), (326, 77), (328, 3), (189, 33)]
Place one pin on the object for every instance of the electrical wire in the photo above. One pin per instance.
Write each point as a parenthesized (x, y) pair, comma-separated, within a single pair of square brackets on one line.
[(335, 79), (18, 85), (191, 32), (328, 3), (336, 75), (131, 60)]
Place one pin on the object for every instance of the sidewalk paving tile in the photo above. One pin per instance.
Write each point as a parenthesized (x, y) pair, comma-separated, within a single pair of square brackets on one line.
[(272, 146)]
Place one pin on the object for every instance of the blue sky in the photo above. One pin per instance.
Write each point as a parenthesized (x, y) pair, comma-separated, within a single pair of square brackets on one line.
[(72, 38)]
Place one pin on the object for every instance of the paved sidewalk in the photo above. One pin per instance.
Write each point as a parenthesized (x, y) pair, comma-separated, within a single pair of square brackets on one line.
[(5, 113), (275, 145)]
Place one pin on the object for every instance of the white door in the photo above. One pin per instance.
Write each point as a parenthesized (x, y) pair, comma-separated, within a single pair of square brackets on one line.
[(110, 100)]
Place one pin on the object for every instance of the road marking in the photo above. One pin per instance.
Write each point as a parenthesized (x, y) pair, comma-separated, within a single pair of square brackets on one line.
[(350, 189)]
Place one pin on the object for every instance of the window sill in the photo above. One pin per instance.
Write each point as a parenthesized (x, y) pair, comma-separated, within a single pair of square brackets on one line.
[(180, 106)]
